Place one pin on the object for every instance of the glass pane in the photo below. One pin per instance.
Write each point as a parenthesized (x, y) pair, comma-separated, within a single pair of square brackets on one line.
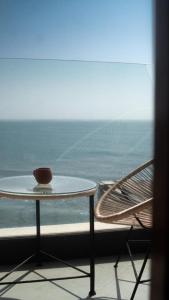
[(85, 119)]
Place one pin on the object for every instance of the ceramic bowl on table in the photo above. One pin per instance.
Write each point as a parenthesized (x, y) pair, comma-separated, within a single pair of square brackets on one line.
[(43, 175)]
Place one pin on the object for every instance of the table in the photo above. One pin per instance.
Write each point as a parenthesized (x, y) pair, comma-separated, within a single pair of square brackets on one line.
[(61, 187)]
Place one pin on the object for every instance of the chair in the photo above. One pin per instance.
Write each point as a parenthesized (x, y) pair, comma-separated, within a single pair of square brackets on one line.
[(129, 202)]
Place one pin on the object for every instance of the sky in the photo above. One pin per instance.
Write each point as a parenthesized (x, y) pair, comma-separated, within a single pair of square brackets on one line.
[(76, 59)]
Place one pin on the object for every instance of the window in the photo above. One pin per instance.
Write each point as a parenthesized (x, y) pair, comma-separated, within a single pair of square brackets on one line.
[(67, 102)]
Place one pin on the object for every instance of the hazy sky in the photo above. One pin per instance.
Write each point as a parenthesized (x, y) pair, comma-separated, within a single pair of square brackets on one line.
[(94, 30)]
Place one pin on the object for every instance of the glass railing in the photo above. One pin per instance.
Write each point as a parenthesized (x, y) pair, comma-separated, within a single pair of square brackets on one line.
[(86, 119)]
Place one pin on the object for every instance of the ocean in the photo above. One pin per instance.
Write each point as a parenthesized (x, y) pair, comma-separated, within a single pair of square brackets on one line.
[(96, 150)]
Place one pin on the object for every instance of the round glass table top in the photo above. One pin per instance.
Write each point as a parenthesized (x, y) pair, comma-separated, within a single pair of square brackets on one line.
[(26, 187)]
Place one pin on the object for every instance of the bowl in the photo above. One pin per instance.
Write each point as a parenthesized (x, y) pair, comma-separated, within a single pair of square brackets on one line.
[(43, 175)]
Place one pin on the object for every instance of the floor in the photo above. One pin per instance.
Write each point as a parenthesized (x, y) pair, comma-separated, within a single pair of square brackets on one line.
[(107, 286)]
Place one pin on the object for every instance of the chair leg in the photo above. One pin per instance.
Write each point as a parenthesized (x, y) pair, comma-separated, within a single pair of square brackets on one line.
[(139, 275), (138, 281), (122, 247)]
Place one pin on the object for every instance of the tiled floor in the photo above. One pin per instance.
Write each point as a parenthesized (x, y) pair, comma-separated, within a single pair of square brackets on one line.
[(107, 286)]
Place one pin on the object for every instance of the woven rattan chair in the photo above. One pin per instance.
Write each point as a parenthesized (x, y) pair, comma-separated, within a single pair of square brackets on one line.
[(129, 202)]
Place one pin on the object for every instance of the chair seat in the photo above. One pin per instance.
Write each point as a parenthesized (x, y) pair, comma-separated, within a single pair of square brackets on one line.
[(129, 201)]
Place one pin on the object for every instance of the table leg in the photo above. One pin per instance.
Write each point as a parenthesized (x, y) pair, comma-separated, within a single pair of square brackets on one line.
[(38, 235), (92, 250)]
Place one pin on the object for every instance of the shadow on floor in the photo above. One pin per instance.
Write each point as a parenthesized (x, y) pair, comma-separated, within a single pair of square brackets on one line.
[(9, 298), (106, 298)]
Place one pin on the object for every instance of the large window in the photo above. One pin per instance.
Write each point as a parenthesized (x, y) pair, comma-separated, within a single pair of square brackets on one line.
[(66, 100)]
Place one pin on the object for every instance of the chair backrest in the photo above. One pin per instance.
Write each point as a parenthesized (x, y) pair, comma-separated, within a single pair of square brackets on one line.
[(129, 201)]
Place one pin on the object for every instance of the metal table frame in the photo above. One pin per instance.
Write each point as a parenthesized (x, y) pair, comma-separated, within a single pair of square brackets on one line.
[(39, 252)]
